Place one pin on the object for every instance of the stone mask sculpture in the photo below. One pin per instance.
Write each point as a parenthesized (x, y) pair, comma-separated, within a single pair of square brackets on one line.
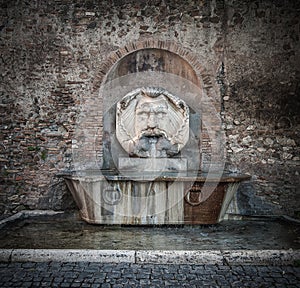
[(152, 123)]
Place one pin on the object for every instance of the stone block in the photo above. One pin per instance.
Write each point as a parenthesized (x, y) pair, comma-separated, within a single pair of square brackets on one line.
[(152, 164), (261, 257), (66, 255), (179, 257)]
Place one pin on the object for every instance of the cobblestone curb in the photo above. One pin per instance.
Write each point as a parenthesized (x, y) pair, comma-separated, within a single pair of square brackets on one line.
[(179, 257), (66, 255), (229, 257), (261, 257)]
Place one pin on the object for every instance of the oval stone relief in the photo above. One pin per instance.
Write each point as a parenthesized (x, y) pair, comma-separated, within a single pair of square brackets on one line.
[(152, 123)]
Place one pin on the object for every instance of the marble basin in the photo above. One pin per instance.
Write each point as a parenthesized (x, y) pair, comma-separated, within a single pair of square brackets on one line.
[(108, 198)]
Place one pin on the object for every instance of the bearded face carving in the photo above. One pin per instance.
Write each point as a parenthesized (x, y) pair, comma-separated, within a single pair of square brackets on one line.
[(150, 114), (152, 123)]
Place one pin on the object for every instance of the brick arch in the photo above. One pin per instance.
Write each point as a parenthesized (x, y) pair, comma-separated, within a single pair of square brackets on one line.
[(95, 117), (171, 46)]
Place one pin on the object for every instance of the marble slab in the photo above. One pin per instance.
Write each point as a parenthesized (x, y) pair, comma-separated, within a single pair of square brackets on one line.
[(152, 164)]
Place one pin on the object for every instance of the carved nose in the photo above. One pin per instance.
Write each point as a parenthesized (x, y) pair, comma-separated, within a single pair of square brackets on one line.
[(152, 121)]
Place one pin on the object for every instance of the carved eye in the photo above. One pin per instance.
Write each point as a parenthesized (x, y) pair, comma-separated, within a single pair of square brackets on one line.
[(142, 116), (160, 115), (142, 112)]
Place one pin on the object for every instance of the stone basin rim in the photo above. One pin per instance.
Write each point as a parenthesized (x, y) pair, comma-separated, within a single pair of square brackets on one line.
[(96, 175)]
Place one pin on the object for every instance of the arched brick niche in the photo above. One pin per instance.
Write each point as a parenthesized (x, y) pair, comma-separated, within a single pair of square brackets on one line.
[(190, 69), (153, 59), (142, 56)]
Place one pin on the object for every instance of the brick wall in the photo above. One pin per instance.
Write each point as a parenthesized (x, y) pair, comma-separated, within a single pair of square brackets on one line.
[(55, 55)]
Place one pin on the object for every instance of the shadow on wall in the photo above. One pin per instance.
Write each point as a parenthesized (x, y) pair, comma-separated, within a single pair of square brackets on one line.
[(246, 202)]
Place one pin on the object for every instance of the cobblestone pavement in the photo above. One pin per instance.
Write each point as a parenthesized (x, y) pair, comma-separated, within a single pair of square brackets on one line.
[(88, 274)]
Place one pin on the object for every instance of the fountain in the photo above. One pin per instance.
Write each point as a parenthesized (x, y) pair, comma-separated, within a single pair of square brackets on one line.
[(154, 167)]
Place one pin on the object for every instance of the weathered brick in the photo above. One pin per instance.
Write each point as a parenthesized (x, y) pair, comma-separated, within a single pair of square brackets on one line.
[(55, 57)]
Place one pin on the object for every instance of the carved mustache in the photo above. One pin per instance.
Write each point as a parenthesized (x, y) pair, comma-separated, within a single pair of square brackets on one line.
[(153, 132)]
